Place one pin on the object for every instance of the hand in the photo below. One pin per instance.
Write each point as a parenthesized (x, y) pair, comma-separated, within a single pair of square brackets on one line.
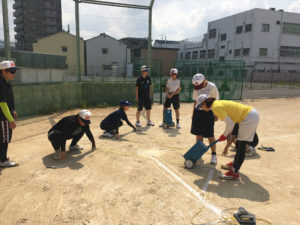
[(117, 136), (222, 138), (15, 115), (63, 155), (170, 95), (225, 152), (12, 125), (216, 118), (134, 128), (94, 147)]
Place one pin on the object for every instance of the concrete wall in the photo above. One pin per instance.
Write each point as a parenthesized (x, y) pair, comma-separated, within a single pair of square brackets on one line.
[(53, 45), (28, 75), (275, 77), (48, 98)]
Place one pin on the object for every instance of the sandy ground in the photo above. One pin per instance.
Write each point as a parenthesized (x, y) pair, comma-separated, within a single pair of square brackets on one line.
[(140, 179)]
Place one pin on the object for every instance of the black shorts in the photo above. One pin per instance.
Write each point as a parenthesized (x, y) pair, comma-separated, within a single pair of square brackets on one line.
[(174, 100), (144, 102), (203, 123), (5, 132)]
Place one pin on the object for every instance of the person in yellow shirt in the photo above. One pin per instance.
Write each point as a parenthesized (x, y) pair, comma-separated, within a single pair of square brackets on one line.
[(232, 112)]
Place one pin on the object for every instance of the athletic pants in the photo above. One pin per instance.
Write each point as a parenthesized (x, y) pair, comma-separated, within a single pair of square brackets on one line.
[(58, 140), (109, 127), (5, 138)]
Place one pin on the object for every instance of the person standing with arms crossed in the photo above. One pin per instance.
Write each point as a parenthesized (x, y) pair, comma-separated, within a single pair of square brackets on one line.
[(203, 121), (142, 95), (8, 114)]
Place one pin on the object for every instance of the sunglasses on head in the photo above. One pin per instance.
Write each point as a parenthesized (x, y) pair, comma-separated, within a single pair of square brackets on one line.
[(13, 71)]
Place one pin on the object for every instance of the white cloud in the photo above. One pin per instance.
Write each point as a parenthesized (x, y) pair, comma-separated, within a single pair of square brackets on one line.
[(294, 6)]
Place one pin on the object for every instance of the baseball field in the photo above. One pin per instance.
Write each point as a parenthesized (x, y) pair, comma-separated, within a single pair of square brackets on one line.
[(140, 179)]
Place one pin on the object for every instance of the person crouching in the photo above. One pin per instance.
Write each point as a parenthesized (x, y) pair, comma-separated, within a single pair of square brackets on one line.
[(112, 122)]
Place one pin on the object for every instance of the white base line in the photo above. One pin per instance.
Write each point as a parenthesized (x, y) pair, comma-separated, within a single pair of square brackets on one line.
[(210, 176), (213, 208)]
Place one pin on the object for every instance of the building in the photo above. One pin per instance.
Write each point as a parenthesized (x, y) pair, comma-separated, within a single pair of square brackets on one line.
[(64, 44), (267, 40), (135, 44), (166, 44), (35, 19), (106, 55), (166, 56)]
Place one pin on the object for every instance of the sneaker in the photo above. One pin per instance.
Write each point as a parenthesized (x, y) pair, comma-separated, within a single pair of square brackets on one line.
[(75, 148), (250, 152), (150, 123), (138, 124), (161, 125), (57, 154), (107, 134), (8, 163), (230, 175), (213, 159), (178, 126), (227, 166)]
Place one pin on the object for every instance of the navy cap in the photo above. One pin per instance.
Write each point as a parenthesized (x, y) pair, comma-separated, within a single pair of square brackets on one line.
[(125, 102)]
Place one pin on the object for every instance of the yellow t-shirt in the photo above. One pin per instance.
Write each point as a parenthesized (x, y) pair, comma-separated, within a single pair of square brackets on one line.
[(236, 111)]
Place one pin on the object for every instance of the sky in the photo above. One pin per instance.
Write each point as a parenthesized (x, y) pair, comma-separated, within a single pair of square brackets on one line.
[(171, 19)]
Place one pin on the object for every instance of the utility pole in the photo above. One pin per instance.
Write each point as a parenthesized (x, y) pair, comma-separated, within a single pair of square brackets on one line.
[(77, 38), (6, 29)]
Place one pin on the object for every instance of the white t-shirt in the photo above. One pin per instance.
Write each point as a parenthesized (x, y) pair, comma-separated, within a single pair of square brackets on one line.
[(173, 85), (211, 90)]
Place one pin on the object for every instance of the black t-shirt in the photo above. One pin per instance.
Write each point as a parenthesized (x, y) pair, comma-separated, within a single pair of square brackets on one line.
[(70, 127), (6, 95), (143, 83)]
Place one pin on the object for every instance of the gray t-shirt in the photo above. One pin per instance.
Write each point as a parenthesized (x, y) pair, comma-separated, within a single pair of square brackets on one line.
[(173, 85), (211, 90)]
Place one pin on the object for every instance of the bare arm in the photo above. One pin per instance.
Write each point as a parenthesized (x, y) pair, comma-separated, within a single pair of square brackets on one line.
[(137, 94)]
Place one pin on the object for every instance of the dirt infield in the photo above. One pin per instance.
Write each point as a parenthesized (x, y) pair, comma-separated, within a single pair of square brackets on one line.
[(140, 179)]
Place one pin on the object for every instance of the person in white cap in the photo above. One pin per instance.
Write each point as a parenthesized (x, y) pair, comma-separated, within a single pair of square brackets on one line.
[(142, 94), (232, 112), (172, 94), (203, 121), (8, 114), (70, 127)]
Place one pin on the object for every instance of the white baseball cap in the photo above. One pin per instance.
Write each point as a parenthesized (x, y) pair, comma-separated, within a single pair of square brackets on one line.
[(7, 65), (200, 99), (85, 115), (174, 71), (198, 79), (144, 68)]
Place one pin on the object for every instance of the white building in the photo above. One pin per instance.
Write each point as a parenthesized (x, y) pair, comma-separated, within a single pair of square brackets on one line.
[(267, 40), (106, 55)]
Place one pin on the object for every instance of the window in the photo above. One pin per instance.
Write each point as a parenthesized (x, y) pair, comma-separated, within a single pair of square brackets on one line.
[(188, 55), (202, 54), (181, 55), (194, 54), (246, 51), (64, 48), (239, 29), (212, 33), (289, 51), (104, 50), (222, 46), (237, 52), (263, 52), (211, 53), (248, 27), (223, 37), (265, 27), (222, 58), (291, 28), (230, 51)]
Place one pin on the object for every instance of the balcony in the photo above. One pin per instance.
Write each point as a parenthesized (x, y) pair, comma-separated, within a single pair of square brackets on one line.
[(19, 19), (18, 4), (18, 12)]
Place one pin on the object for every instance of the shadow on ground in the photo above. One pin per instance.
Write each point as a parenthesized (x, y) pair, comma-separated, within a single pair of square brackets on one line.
[(72, 160)]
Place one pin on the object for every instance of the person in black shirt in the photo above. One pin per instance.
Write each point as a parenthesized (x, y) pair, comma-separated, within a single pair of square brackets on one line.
[(70, 127), (112, 122), (7, 110), (142, 94)]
